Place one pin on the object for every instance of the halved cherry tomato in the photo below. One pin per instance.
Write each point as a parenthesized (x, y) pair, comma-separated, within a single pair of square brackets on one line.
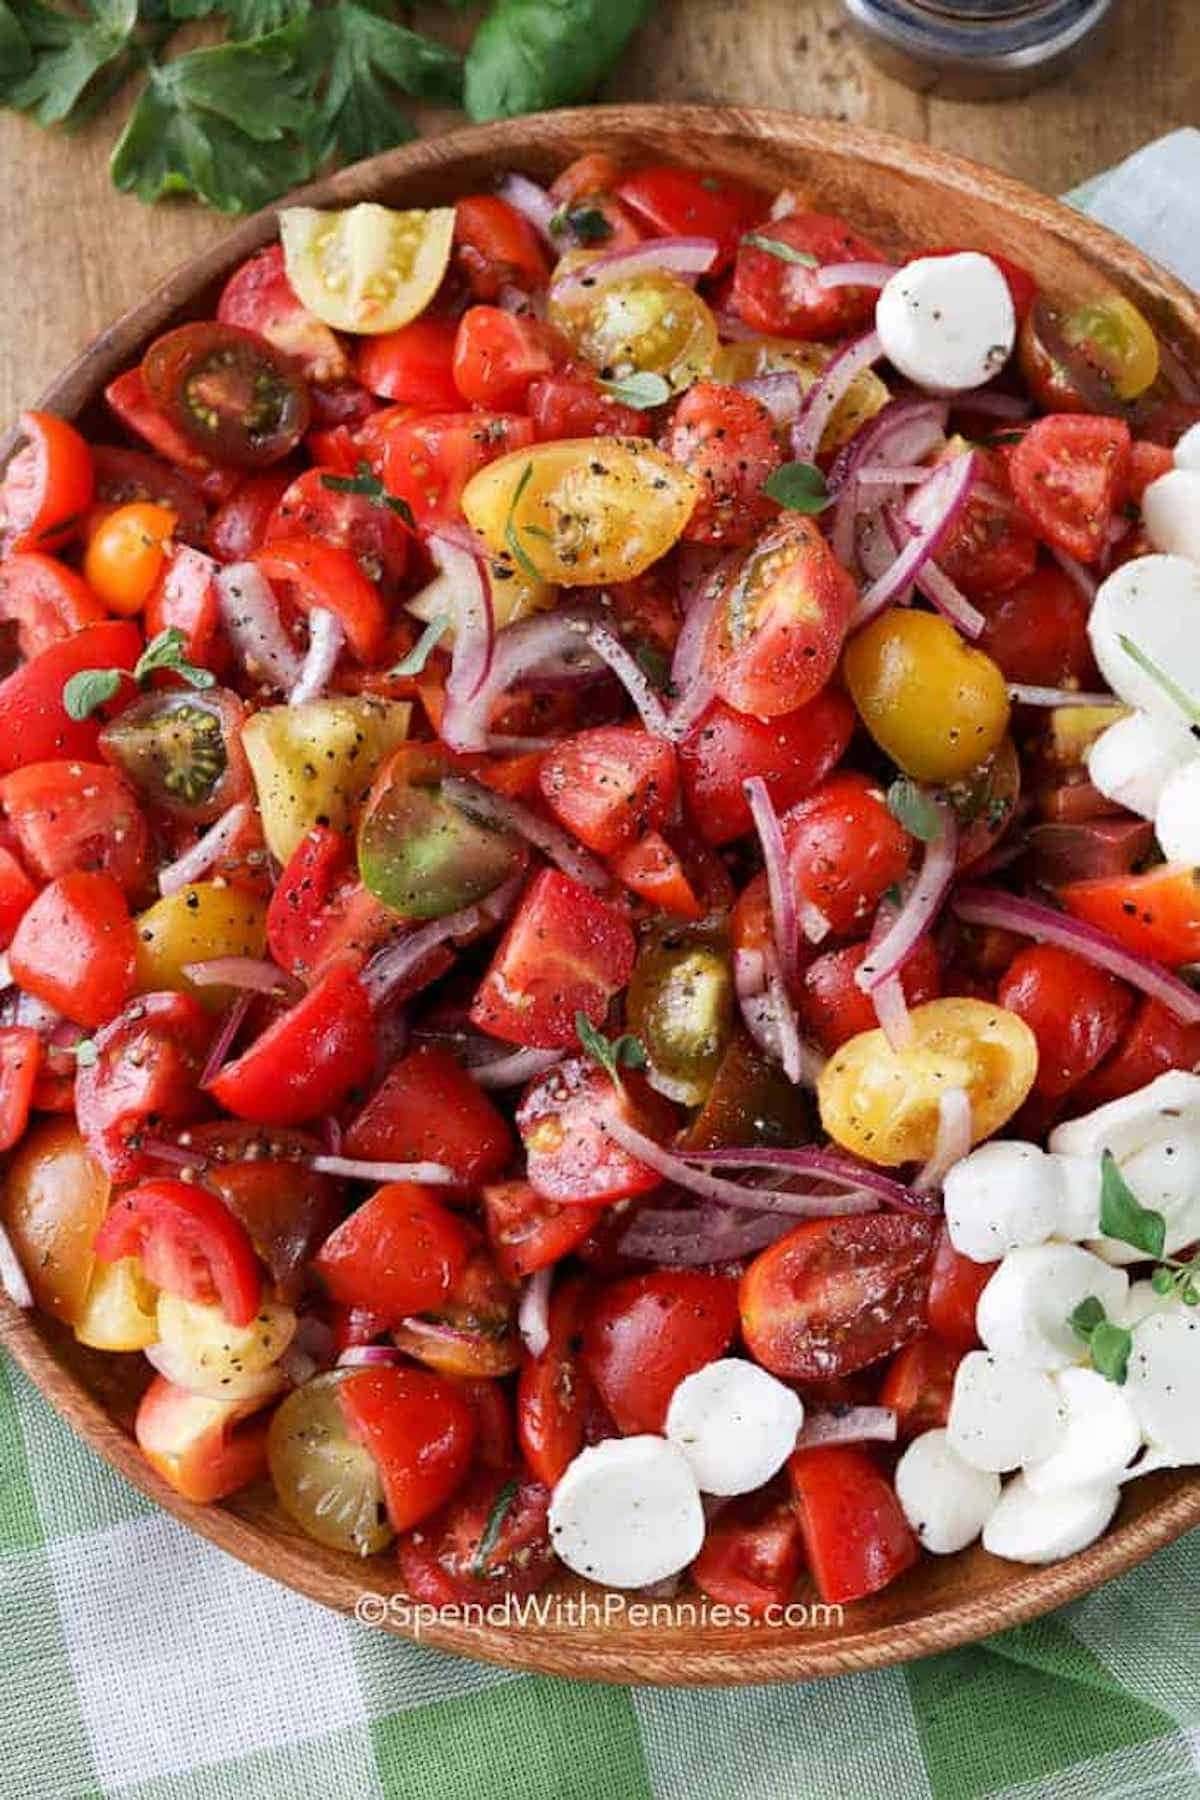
[(429, 461), (836, 1294), (75, 948), (297, 916), (428, 1109), (642, 1335), (751, 1101), (47, 485), (575, 406), (412, 366), (528, 1231), (186, 598), (654, 872), (493, 1539), (727, 439), (123, 475), (792, 753), (419, 1428), (991, 546), (591, 213), (554, 1391), (1076, 1011), (308, 1060), (1037, 631), (1068, 473), (145, 1075), (231, 395), (1147, 462), (919, 1384), (20, 1060), (499, 355), (321, 576), (77, 815), (1094, 359), (496, 247), (751, 1554), (190, 1244), (780, 295), (569, 1155), (125, 554), (955, 1284), (565, 952), (259, 298), (1154, 1042), (610, 785), (130, 400), (491, 1402), (203, 1448), (46, 601), (856, 1538), (844, 850), (473, 1331), (263, 1177), (832, 1006), (239, 525), (399, 1253), (34, 723), (1156, 914), (677, 202), (780, 618), (17, 894), (182, 750)]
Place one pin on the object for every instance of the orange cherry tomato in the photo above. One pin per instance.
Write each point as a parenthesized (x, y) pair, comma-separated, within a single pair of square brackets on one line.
[(126, 552)]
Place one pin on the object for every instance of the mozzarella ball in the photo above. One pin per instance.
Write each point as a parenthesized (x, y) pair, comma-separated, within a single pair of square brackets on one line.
[(1002, 1413), (1127, 1125), (1101, 1437), (1025, 1310), (1001, 1196), (1079, 1190), (1041, 1528), (1177, 817), (1163, 1383), (627, 1512), (1187, 450), (947, 322), (735, 1424), (1132, 761), (1140, 1302), (1155, 602), (1171, 513), (945, 1500)]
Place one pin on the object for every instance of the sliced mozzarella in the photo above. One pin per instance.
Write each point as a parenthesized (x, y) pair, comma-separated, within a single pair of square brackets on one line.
[(1040, 1528), (1177, 816), (1079, 1190), (627, 1512), (1132, 762), (947, 322), (1165, 1176), (1025, 1310), (1171, 513), (1163, 1383), (1002, 1413), (1101, 1438), (945, 1500), (1140, 1302), (1155, 602), (1127, 1125), (1187, 450), (735, 1424), (1001, 1196)]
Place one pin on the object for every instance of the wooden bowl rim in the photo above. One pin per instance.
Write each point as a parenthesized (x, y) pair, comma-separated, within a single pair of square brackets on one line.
[(752, 1657)]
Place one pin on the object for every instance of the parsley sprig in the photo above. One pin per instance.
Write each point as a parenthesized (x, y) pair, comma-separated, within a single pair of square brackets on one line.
[(364, 482), (800, 486), (89, 689), (613, 1054), (916, 810), (785, 253)]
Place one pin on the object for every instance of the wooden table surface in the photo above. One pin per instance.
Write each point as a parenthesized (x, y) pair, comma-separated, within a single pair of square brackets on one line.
[(77, 253)]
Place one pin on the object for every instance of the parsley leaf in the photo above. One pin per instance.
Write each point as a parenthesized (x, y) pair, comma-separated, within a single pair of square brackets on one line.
[(1122, 1215), (641, 389), (585, 224), (371, 488), (611, 1053), (87, 690), (655, 666), (365, 58), (490, 1534), (533, 54), (800, 486), (90, 688), (1188, 707), (426, 644), (247, 18), (908, 802), (49, 59), (1109, 1344), (776, 247), (512, 536)]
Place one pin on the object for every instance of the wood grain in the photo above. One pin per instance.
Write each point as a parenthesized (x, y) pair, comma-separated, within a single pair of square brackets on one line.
[(78, 254), (903, 195)]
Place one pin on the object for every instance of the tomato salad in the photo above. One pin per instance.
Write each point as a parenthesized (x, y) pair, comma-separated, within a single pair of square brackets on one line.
[(600, 813)]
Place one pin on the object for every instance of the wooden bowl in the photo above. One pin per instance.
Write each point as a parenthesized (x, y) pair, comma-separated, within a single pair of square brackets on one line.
[(902, 195)]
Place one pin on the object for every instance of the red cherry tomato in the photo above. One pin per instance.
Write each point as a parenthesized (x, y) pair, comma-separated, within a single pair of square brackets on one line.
[(427, 462), (655, 873), (554, 1392), (17, 894), (844, 850), (919, 1384), (260, 298), (569, 1155), (527, 1231), (836, 1294), (412, 366), (321, 576), (778, 295), (75, 948), (125, 475), (319, 908), (496, 247), (1037, 631), (675, 202), (1068, 473), (401, 1252), (1156, 914), (575, 406), (145, 1075), (727, 440), (45, 600), (190, 1244), (1076, 1012), (75, 815), (792, 753), (955, 1284), (586, 195), (1154, 1042), (186, 599), (991, 546), (642, 1335), (239, 525), (307, 1061), (34, 724), (47, 485), (370, 531), (20, 1062), (610, 785), (420, 1430), (499, 355), (780, 618), (428, 1109), (832, 1006), (751, 1555), (492, 1540), (856, 1538)]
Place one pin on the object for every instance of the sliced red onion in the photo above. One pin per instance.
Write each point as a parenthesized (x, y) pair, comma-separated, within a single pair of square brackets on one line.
[(395, 962), (298, 1365), (733, 330), (689, 679), (821, 1165), (217, 841), (370, 1356), (1083, 578), (252, 973), (994, 403), (12, 1275), (177, 1155), (770, 1018), (779, 883), (533, 1313), (326, 636), (251, 618), (792, 1049), (695, 566), (517, 1069), (230, 1025), (950, 600), (942, 499), (686, 257), (315, 1338), (353, 1168), (848, 1425), (920, 909), (684, 1174), (952, 1142), (532, 202), (813, 923), (1029, 918), (552, 642), (905, 475), (702, 1235), (780, 392), (891, 1011), (901, 435), (612, 651), (855, 274), (823, 398), (464, 588), (1051, 696), (543, 834)]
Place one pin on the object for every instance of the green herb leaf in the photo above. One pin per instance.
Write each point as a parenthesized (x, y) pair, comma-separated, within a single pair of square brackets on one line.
[(654, 665), (426, 644), (1109, 1344), (800, 486), (63, 53), (1188, 707), (531, 54), (1122, 1215), (916, 810), (166, 652), (612, 1054), (367, 61), (776, 247), (491, 1531), (642, 389), (512, 536), (586, 224), (87, 690), (371, 488), (246, 18)]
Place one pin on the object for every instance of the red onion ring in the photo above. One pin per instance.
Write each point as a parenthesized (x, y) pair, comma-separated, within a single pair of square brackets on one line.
[(326, 636), (533, 1313), (943, 498), (888, 997), (822, 1165), (848, 1425), (543, 834), (686, 257), (391, 965), (950, 600), (533, 202), (902, 434), (779, 884), (369, 1356), (952, 1142), (855, 274), (920, 908), (553, 642), (689, 1239), (728, 1193), (250, 615), (1050, 696), (254, 974), (230, 1025), (196, 862), (612, 651), (770, 1018), (353, 1168), (822, 399), (780, 392), (517, 1069), (1083, 578)]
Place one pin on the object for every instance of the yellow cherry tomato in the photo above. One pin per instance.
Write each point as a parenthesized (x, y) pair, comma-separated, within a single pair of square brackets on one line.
[(748, 357), (646, 324), (126, 552), (583, 511), (933, 702), (54, 1197), (314, 763), (198, 1349), (119, 1312), (882, 1104), (368, 268), (514, 596), (327, 1482), (202, 921), (1114, 335)]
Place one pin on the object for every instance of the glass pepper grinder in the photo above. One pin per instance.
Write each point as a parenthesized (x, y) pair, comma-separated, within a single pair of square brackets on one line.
[(977, 49)]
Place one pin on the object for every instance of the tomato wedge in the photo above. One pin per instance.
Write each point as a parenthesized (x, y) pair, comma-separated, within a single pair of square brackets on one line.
[(856, 1538), (399, 1253), (190, 1244), (323, 576), (307, 1062), (1156, 914), (1069, 472), (644, 1334), (751, 1555), (428, 1109), (419, 1428), (75, 948)]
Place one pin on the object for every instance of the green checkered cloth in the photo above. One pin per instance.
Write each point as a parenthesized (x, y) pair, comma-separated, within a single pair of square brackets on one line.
[(138, 1660)]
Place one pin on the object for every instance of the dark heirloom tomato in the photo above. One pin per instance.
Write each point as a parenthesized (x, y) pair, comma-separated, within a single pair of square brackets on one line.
[(399, 1253), (144, 1077), (1037, 631), (45, 600), (554, 1392), (643, 1335), (856, 1538), (374, 534), (47, 485), (1076, 1012), (428, 1109), (1091, 360), (781, 614), (320, 576), (1068, 473), (427, 462), (565, 952), (182, 750), (751, 1554), (837, 1294), (287, 1209), (496, 247), (231, 394), (190, 1244), (420, 853), (493, 1539), (751, 1101), (239, 525), (782, 297), (307, 1061), (499, 355), (575, 405), (75, 948), (610, 785), (1155, 1042), (1156, 914), (420, 1430), (955, 1284), (131, 402), (76, 815), (792, 753), (569, 1154), (682, 203), (919, 1384), (259, 298), (527, 1231), (124, 475), (727, 440), (34, 724), (832, 1006)]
